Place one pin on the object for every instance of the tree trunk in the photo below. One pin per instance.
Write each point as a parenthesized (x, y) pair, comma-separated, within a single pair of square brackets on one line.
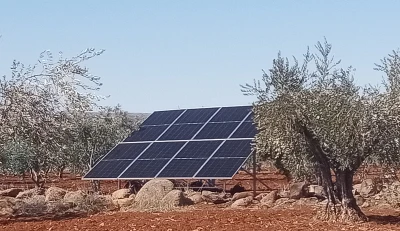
[(61, 172), (350, 212)]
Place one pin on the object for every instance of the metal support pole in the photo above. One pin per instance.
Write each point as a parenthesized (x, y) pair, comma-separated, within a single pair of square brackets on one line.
[(119, 184), (254, 174)]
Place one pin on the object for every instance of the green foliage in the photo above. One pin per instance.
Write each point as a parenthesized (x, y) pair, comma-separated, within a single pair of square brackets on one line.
[(45, 120), (348, 122)]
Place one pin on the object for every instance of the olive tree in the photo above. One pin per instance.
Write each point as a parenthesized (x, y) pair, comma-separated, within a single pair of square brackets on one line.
[(313, 118), (35, 103)]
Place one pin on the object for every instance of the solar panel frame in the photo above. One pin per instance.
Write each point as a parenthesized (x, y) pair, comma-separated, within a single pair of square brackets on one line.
[(246, 118)]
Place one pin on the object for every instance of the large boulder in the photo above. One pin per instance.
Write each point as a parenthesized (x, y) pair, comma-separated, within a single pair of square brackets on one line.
[(121, 193), (7, 206), (241, 195), (154, 191), (368, 188), (30, 193), (75, 197), (269, 199), (55, 194), (243, 202), (12, 192), (297, 190), (175, 198)]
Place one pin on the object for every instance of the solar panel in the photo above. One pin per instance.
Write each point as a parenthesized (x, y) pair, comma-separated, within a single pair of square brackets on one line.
[(182, 168), (146, 133), (108, 169), (206, 143), (164, 150), (199, 149), (217, 130), (231, 114), (181, 132), (220, 168), (126, 151), (162, 117), (234, 148), (201, 115), (143, 169), (245, 130)]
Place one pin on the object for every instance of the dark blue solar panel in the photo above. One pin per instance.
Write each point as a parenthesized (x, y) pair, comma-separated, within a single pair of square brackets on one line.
[(144, 168), (222, 167), (245, 130), (147, 133), (126, 151), (234, 148), (250, 118), (217, 130), (181, 132), (200, 115), (182, 168), (162, 150), (108, 169), (231, 114), (162, 117), (198, 149)]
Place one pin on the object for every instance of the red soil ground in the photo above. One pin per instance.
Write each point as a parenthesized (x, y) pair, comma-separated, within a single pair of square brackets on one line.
[(210, 218), (199, 217)]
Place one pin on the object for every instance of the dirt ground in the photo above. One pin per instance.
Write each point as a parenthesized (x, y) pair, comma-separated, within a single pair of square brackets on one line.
[(298, 218), (199, 217)]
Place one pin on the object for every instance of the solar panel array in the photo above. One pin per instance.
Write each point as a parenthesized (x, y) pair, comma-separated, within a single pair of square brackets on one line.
[(205, 143)]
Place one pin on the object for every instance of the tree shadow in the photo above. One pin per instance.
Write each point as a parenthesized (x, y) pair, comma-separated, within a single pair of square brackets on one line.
[(385, 220)]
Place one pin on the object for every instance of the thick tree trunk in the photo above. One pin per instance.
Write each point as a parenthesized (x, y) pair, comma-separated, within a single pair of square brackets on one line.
[(347, 210), (350, 212)]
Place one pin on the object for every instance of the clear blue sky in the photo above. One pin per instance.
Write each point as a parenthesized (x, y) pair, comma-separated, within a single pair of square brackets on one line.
[(169, 54)]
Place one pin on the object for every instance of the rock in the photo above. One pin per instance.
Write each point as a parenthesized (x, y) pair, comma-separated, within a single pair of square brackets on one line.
[(196, 198), (359, 200), (241, 195), (124, 202), (356, 189), (269, 199), (175, 198), (307, 201), (368, 188), (297, 190), (316, 191), (12, 192), (243, 202), (365, 205), (7, 206), (284, 201), (121, 193), (30, 193), (284, 194), (260, 196), (74, 197), (215, 198), (55, 194), (153, 191), (132, 196), (207, 193)]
